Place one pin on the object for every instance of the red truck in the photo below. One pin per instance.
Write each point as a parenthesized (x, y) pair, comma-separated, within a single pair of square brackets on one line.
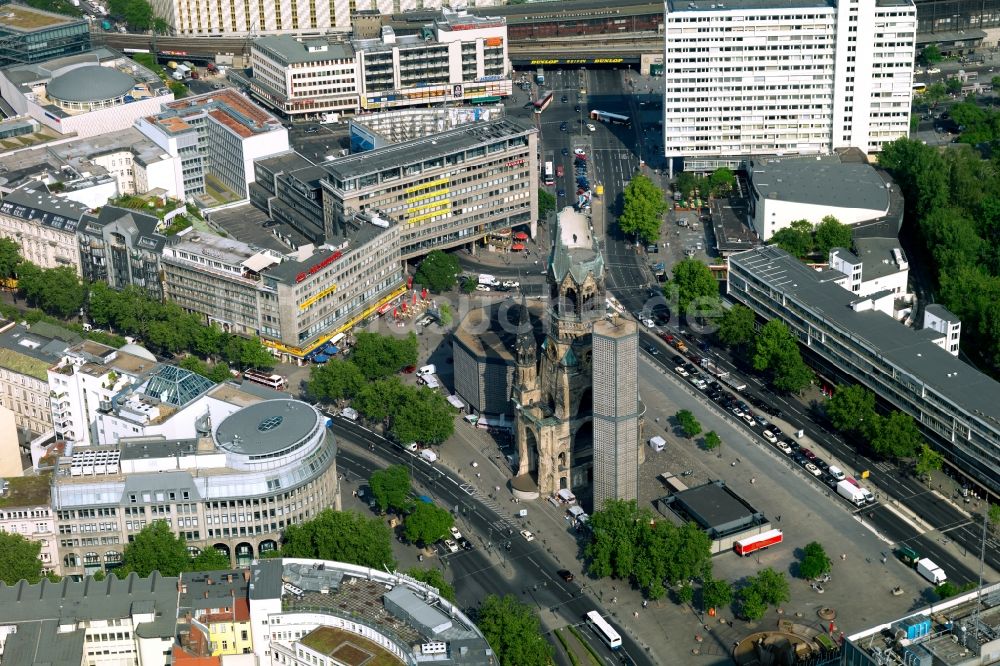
[(760, 541)]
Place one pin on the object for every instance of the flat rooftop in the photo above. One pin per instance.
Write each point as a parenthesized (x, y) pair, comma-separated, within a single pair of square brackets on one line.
[(291, 50), (226, 106), (821, 181), (247, 222), (23, 19), (745, 5), (266, 427), (711, 505), (908, 349), (425, 148), (27, 491)]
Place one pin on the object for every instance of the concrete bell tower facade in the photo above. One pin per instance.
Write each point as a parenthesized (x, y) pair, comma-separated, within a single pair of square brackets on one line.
[(554, 425)]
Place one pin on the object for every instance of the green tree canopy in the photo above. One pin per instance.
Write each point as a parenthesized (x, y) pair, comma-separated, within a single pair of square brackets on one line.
[(691, 280), (156, 548), (344, 536), (736, 326), (850, 407), (896, 436), (335, 380), (427, 523), (391, 488), (379, 356), (688, 423), (768, 587), (546, 203), (643, 209), (685, 183), (437, 271), (830, 233), (930, 54), (424, 416), (137, 13), (953, 85), (57, 291), (716, 593), (20, 559), (928, 460), (10, 258), (626, 543), (513, 630), (712, 440), (815, 562), (751, 604), (435, 578), (994, 515), (795, 239), (210, 559), (721, 181)]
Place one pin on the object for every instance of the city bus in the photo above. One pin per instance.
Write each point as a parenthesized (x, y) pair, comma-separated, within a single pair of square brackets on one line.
[(276, 382), (919, 88), (548, 175), (492, 99), (611, 118), (601, 627), (543, 103)]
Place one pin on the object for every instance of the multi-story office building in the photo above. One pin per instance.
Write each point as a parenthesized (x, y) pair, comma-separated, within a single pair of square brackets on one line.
[(305, 76), (912, 370), (217, 136), (733, 90), (297, 302), (444, 190), (458, 57), (26, 511), (616, 410), (44, 226), (25, 356), (128, 621), (121, 246), (309, 612), (29, 35), (250, 468), (287, 187), (84, 381)]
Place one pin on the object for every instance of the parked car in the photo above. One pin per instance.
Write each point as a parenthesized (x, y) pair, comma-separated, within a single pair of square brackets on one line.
[(455, 533), (528, 536), (770, 437), (748, 417), (451, 546), (784, 448), (812, 469)]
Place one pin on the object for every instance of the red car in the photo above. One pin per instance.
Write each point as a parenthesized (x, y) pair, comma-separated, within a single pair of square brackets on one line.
[(807, 453), (559, 171)]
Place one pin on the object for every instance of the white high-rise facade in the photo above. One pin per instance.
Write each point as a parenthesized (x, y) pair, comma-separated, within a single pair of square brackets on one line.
[(774, 77)]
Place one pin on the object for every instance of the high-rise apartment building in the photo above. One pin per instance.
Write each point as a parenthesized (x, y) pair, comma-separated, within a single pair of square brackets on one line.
[(616, 410), (781, 77)]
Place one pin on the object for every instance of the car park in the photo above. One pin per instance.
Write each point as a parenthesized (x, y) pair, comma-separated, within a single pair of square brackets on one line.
[(770, 437), (748, 417), (528, 536), (812, 469)]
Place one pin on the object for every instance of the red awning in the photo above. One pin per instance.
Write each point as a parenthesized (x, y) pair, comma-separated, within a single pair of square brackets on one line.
[(520, 235), (385, 308), (517, 247)]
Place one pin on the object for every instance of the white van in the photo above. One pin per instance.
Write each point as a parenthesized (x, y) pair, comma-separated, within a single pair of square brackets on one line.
[(836, 473), (427, 369), (657, 443), (349, 413)]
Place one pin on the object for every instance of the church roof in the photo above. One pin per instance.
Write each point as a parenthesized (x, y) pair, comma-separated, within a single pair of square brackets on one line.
[(575, 250)]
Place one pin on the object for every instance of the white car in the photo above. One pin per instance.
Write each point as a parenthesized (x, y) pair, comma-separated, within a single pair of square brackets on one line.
[(679, 369), (770, 437), (748, 417), (934, 70), (648, 323), (580, 152), (482, 287), (812, 469), (511, 284), (784, 448), (455, 533), (591, 127), (528, 536), (451, 546), (738, 412)]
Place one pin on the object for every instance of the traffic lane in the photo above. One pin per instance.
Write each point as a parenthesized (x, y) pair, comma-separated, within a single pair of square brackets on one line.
[(537, 561)]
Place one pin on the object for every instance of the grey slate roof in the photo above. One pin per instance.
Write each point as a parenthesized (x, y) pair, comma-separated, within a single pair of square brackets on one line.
[(140, 226), (876, 256), (43, 208), (266, 427), (39, 609), (821, 181), (910, 350), (942, 312)]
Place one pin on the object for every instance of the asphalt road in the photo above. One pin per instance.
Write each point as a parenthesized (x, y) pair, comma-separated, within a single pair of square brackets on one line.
[(530, 571)]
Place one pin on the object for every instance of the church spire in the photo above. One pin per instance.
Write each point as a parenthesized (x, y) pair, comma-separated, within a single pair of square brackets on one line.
[(526, 348)]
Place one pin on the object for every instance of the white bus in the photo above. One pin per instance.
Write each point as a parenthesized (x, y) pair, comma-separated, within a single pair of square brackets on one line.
[(604, 630), (276, 382), (548, 174)]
